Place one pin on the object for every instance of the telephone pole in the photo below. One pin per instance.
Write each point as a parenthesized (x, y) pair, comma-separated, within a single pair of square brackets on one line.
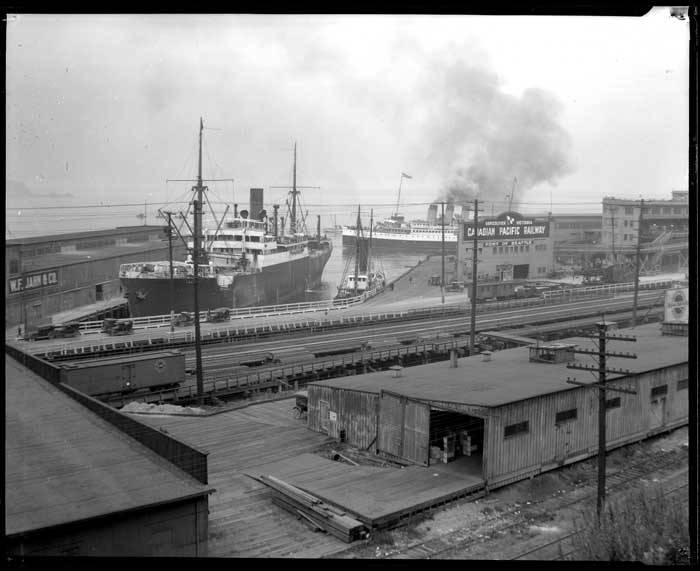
[(170, 259), (472, 340), (612, 223), (637, 263), (602, 369)]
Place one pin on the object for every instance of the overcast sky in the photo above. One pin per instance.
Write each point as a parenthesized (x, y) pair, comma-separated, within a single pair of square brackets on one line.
[(107, 107)]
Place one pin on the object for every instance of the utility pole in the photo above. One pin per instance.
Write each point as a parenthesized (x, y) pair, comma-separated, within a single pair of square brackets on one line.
[(472, 340), (637, 263), (602, 369), (199, 189), (170, 259), (275, 208), (369, 243), (357, 249), (442, 279)]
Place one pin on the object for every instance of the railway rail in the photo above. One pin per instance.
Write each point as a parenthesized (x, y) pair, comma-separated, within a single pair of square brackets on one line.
[(161, 340), (459, 540)]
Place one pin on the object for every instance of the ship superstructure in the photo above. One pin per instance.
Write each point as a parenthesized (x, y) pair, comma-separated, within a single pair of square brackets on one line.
[(247, 260)]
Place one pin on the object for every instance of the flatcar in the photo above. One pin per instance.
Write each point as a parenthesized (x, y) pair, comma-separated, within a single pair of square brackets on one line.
[(125, 374)]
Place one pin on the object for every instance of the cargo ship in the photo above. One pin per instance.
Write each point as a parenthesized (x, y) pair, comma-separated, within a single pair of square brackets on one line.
[(417, 236), (248, 260)]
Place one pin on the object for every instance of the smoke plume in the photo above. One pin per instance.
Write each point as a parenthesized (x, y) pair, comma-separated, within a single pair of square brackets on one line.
[(485, 138)]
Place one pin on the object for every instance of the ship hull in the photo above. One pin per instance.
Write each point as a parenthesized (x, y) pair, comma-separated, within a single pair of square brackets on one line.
[(407, 246), (281, 283)]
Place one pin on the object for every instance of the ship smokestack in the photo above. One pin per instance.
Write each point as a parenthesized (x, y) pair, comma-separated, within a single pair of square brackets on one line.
[(432, 214), (256, 203), (449, 212), (235, 210)]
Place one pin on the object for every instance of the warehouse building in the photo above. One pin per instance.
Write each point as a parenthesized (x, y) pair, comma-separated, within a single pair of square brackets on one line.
[(510, 246), (75, 484), (49, 274), (509, 415)]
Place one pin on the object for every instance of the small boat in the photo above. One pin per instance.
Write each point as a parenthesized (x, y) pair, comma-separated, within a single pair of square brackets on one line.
[(368, 278)]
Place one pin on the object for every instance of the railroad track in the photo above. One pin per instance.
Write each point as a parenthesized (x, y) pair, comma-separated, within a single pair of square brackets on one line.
[(461, 539), (562, 548)]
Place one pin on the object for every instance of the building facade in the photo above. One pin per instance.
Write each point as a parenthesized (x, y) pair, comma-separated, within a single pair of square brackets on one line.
[(49, 274), (510, 246)]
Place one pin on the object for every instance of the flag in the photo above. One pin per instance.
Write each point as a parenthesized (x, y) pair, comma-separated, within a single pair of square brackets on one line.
[(404, 175)]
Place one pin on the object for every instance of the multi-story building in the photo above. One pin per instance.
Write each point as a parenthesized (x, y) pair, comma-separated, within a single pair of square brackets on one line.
[(664, 231)]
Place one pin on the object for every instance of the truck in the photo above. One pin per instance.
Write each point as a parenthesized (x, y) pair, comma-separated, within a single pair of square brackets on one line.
[(125, 374)]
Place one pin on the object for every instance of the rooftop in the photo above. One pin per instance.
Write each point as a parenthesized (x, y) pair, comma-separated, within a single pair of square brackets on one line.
[(64, 464), (58, 259), (71, 236), (511, 377)]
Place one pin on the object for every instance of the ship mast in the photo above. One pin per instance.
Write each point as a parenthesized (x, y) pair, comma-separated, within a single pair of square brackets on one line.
[(199, 189), (295, 192), (357, 249)]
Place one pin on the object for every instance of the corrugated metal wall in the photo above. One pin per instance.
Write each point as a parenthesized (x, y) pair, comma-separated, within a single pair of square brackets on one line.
[(548, 444)]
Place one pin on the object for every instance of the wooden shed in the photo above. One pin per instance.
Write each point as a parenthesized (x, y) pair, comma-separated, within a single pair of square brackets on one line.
[(510, 415)]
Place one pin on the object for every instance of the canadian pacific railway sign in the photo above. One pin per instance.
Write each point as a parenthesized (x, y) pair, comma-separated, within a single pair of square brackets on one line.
[(507, 226), (33, 281)]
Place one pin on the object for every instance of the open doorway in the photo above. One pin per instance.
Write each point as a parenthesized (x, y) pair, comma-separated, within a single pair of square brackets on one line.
[(456, 442)]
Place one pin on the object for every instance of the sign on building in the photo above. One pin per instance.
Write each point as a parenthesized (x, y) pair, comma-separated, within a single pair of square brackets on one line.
[(33, 281), (676, 306), (507, 226)]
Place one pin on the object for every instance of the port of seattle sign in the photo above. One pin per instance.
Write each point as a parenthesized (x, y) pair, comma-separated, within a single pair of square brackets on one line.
[(506, 226)]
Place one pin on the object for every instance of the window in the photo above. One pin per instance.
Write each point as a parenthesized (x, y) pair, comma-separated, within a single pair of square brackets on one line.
[(628, 210), (500, 249), (682, 384), (565, 415), (612, 403), (517, 428), (676, 210), (495, 250), (658, 391), (14, 266), (625, 223), (665, 210)]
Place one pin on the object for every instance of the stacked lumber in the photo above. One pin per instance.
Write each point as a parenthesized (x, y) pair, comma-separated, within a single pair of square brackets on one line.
[(318, 515)]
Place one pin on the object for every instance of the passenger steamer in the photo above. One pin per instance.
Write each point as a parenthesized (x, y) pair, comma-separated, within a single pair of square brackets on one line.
[(242, 263)]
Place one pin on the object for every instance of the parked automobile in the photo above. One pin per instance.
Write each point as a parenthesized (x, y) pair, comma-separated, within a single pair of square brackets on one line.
[(183, 318), (455, 286), (220, 314), (301, 405), (113, 326)]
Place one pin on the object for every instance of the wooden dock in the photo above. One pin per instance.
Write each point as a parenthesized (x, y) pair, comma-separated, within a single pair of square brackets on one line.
[(265, 438), (243, 521), (379, 497)]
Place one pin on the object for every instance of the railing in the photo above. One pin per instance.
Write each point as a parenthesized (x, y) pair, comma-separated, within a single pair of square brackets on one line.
[(571, 294), (162, 339)]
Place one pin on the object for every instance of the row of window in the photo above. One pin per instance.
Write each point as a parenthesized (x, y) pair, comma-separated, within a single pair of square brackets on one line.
[(571, 414), (629, 210)]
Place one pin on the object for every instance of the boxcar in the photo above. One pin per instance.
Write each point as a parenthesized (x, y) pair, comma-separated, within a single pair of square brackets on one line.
[(125, 374)]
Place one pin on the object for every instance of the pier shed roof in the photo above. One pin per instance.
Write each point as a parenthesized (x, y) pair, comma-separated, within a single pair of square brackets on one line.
[(511, 377), (64, 464)]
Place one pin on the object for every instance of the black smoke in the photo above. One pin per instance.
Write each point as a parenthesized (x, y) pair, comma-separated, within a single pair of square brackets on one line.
[(484, 138)]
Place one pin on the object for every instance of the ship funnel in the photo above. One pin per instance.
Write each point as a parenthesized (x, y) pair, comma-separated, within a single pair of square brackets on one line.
[(449, 213), (432, 214), (235, 210), (244, 213), (256, 203)]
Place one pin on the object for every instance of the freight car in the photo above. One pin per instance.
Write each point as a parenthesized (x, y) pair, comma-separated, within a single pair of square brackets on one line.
[(125, 374), (497, 291)]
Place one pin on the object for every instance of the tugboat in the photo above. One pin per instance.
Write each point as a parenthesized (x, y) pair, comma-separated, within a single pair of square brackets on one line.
[(248, 260), (367, 279)]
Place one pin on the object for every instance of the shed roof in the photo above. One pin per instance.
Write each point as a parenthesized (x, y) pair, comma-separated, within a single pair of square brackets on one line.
[(71, 236), (511, 377), (64, 464)]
